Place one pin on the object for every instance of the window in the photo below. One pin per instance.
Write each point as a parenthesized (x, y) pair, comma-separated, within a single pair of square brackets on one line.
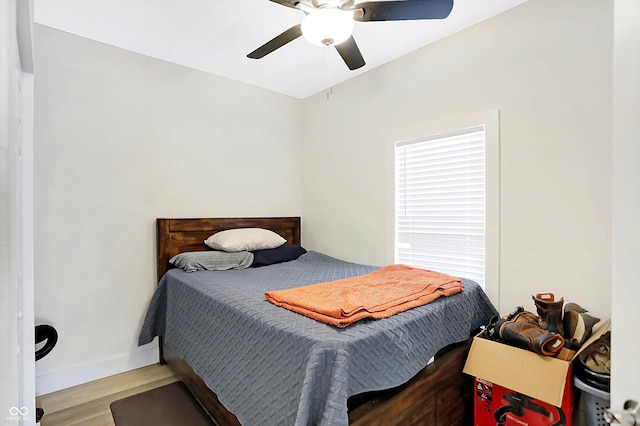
[(440, 203)]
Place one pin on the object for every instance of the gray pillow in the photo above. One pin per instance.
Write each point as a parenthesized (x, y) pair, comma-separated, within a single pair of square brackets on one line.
[(212, 260)]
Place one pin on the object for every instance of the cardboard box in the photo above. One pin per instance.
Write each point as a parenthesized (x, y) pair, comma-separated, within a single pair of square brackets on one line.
[(541, 378)]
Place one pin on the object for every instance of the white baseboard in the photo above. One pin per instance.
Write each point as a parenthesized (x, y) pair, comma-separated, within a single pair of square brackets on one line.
[(63, 379)]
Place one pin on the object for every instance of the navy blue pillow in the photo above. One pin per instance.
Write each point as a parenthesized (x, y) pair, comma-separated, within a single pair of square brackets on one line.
[(284, 253)]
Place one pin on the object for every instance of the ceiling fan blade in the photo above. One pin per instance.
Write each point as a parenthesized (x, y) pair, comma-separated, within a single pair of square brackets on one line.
[(276, 43), (350, 54), (407, 10), (288, 3)]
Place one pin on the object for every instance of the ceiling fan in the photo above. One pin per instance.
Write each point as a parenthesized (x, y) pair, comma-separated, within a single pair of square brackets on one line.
[(331, 22)]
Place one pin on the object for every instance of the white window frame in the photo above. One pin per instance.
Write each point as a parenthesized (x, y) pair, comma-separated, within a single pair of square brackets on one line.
[(491, 122)]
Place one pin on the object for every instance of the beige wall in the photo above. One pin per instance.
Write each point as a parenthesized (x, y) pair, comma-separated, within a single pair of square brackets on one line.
[(546, 65), (121, 139)]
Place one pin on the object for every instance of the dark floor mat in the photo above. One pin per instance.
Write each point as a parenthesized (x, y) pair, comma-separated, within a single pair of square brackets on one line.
[(164, 406)]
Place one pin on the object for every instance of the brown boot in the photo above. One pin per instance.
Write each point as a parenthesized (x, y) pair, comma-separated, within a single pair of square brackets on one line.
[(523, 330), (550, 311)]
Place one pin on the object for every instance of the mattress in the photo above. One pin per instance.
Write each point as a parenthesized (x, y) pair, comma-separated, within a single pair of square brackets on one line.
[(272, 366)]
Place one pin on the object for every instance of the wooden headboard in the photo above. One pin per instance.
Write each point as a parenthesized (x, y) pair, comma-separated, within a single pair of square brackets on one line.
[(176, 236)]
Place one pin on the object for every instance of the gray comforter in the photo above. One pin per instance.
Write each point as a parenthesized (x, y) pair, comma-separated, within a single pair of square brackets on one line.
[(271, 366)]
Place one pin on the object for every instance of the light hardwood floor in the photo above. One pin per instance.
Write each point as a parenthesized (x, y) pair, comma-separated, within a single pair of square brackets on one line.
[(88, 404)]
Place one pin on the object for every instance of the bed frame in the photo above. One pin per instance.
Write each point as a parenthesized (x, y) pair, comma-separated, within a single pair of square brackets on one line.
[(440, 394)]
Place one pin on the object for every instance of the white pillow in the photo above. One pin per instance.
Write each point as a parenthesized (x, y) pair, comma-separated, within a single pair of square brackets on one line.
[(244, 239)]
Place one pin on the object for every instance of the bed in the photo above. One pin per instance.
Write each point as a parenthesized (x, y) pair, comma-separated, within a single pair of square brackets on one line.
[(251, 363)]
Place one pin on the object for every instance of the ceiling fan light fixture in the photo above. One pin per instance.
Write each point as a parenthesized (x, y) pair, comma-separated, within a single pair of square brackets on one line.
[(327, 26)]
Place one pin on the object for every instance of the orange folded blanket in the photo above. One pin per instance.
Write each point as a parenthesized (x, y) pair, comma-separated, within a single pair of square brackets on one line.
[(379, 294)]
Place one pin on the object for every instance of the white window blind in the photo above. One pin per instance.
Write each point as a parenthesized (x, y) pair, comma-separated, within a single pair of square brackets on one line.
[(440, 203)]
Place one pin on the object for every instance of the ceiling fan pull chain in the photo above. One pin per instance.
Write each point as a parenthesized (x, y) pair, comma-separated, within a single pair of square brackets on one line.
[(329, 62)]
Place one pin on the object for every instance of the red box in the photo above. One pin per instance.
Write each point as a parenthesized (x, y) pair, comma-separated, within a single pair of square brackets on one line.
[(495, 405)]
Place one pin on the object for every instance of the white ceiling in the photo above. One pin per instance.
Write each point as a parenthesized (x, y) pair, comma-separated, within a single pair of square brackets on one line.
[(215, 36)]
